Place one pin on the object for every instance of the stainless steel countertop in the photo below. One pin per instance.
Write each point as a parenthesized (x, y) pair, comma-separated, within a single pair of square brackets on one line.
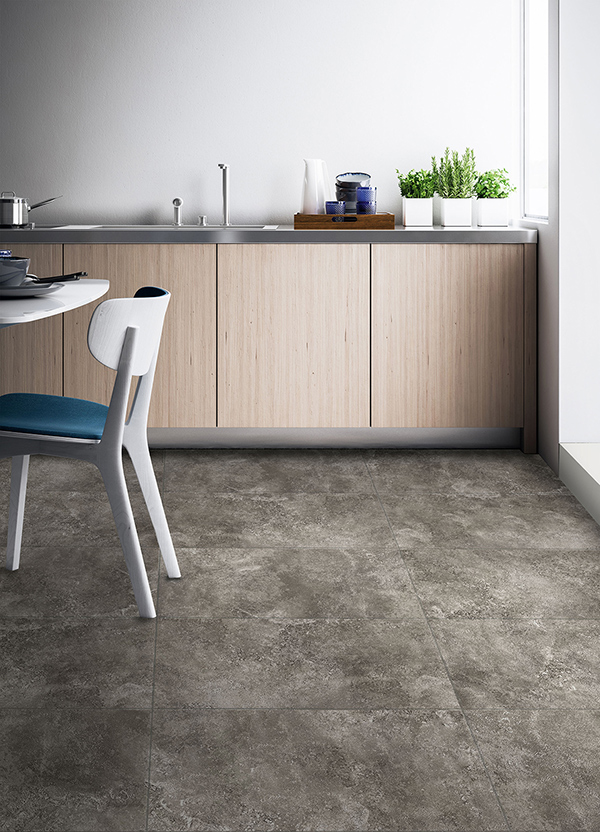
[(270, 234)]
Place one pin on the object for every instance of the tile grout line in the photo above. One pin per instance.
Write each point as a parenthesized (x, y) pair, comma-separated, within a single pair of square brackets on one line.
[(460, 707)]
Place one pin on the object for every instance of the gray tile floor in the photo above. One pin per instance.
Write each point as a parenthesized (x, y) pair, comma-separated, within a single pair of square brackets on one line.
[(377, 640)]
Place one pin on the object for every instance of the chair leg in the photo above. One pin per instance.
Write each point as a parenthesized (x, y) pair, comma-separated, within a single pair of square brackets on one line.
[(116, 488), (18, 488), (142, 462)]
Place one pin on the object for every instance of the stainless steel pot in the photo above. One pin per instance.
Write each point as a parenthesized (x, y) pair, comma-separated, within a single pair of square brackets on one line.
[(14, 210)]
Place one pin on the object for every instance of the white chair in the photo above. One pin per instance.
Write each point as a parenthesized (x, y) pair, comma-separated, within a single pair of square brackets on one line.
[(124, 334)]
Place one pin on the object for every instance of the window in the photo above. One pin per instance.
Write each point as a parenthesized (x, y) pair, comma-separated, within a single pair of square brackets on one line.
[(535, 109)]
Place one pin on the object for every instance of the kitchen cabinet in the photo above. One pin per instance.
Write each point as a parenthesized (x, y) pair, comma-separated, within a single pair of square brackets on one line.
[(307, 335), (293, 335), (31, 355), (184, 392), (453, 337)]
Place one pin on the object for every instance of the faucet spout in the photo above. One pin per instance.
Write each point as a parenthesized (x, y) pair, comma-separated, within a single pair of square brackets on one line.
[(225, 169)]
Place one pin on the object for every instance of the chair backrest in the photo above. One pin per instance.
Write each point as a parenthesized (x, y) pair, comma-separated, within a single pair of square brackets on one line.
[(111, 318)]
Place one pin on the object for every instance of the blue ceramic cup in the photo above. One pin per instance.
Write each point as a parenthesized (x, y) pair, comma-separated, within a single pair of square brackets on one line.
[(366, 194), (335, 207), (366, 207)]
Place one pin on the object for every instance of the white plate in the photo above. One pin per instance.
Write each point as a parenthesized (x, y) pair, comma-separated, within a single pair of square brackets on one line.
[(29, 290)]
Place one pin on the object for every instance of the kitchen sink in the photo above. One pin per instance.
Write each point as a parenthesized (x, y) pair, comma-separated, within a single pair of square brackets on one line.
[(232, 227), (164, 227), (194, 227)]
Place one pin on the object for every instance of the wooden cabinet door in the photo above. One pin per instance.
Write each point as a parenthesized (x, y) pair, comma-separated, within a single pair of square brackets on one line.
[(293, 336), (31, 353), (184, 392), (448, 338)]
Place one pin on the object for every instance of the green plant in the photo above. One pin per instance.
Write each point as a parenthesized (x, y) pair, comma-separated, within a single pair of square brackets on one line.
[(417, 184), (493, 184), (455, 176)]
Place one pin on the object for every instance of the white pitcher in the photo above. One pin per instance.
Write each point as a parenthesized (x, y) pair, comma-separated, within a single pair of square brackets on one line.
[(316, 189)]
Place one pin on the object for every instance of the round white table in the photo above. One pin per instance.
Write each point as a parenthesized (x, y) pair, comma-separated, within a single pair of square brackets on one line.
[(69, 296)]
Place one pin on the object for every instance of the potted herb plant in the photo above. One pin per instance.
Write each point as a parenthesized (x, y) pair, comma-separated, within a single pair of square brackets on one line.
[(492, 189), (417, 188), (455, 183)]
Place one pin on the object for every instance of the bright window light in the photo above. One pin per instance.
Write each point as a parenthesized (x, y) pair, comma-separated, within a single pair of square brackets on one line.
[(535, 109)]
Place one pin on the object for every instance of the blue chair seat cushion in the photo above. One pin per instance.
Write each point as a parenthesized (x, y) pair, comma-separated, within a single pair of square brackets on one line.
[(52, 415)]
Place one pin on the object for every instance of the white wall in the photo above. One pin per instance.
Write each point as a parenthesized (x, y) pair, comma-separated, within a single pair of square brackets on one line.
[(122, 105), (579, 257)]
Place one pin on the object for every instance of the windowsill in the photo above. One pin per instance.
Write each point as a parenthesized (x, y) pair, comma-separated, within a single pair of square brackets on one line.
[(534, 220)]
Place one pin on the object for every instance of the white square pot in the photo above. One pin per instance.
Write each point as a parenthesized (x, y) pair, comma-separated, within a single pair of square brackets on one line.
[(417, 212), (492, 211), (456, 212)]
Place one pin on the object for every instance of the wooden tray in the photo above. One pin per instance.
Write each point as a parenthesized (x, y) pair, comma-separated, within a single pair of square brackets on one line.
[(344, 222)]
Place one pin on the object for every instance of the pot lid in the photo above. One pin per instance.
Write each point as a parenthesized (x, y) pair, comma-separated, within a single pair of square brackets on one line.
[(10, 196)]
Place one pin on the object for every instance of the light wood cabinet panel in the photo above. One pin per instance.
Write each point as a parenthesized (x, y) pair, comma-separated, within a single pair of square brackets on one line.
[(293, 335), (31, 353), (184, 392), (447, 336)]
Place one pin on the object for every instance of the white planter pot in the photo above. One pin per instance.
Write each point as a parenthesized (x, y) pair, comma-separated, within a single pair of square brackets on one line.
[(456, 212), (492, 211), (417, 212)]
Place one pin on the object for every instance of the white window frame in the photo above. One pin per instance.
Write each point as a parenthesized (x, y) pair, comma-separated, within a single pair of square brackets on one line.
[(525, 167)]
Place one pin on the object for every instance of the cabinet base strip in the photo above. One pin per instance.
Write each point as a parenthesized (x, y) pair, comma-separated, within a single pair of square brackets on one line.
[(334, 437)]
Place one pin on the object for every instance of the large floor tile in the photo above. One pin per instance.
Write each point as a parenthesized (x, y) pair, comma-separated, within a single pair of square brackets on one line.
[(67, 501), (526, 522), (277, 520), (318, 770), (59, 582), (4, 474), (463, 473), (64, 474), (289, 583), (73, 771), (522, 664), (267, 471), (545, 766), (63, 664), (298, 664), (506, 583), (68, 518)]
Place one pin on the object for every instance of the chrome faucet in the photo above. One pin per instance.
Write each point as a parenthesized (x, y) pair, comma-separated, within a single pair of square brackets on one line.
[(177, 203), (225, 169)]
